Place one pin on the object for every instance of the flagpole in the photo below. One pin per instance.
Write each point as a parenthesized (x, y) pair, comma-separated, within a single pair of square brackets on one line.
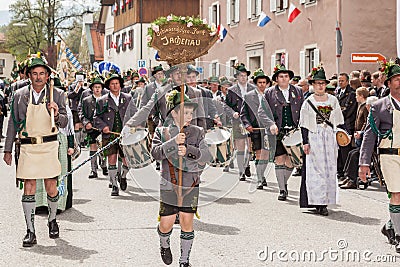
[(338, 15)]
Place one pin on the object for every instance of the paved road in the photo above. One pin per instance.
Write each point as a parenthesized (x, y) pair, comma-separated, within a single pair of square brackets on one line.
[(235, 228)]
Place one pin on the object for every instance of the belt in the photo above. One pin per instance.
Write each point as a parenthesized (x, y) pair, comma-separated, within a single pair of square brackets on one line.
[(38, 140), (389, 151)]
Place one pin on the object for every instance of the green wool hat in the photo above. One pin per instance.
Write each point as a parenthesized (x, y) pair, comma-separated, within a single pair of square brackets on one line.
[(38, 62), (134, 74), (213, 79), (141, 80), (112, 77), (318, 74), (171, 70), (58, 83), (191, 69), (173, 99), (258, 74), (156, 69), (241, 68), (394, 70), (280, 68), (96, 80)]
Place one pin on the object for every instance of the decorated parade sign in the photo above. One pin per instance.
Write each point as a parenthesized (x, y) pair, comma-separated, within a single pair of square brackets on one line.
[(181, 39)]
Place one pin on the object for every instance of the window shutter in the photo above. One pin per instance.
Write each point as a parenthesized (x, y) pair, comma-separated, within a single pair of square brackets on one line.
[(218, 22), (228, 11), (287, 60), (272, 5), (217, 69), (272, 63), (285, 4), (259, 7), (210, 69), (249, 9), (237, 11), (210, 15), (228, 69), (302, 64), (316, 57)]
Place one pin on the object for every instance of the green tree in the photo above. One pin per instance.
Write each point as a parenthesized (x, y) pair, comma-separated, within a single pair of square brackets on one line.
[(35, 26)]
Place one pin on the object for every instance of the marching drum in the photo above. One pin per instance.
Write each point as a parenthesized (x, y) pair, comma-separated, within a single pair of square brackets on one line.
[(220, 145), (136, 146), (292, 142), (342, 137)]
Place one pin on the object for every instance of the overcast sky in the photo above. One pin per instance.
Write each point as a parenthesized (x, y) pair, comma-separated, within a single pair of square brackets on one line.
[(5, 4)]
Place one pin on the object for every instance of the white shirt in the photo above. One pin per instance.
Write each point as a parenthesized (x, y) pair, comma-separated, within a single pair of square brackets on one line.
[(342, 91), (243, 90), (115, 98), (158, 85), (36, 95), (260, 95), (285, 93)]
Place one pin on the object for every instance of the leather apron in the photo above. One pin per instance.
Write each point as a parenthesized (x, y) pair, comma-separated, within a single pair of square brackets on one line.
[(38, 161), (390, 164)]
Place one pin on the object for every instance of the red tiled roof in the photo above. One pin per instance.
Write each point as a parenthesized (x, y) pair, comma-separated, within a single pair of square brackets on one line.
[(98, 41)]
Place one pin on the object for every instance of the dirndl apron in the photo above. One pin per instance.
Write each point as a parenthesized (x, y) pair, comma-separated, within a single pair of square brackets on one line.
[(391, 163), (38, 161)]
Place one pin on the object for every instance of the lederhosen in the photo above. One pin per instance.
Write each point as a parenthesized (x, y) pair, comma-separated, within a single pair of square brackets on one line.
[(92, 134), (287, 126), (169, 198), (38, 157), (115, 148)]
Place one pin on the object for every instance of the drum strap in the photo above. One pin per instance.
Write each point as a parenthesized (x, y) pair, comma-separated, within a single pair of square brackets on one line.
[(319, 113), (167, 136)]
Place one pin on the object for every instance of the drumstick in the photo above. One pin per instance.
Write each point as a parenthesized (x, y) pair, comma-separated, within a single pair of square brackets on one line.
[(108, 132), (53, 123)]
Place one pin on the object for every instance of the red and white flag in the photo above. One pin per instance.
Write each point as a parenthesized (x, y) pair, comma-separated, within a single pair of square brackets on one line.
[(293, 12)]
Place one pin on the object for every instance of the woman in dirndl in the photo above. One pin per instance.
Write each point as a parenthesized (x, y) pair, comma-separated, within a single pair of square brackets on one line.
[(65, 138), (319, 186)]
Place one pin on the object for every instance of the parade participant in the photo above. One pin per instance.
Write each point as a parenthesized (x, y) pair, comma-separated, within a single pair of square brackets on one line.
[(319, 116), (108, 117), (156, 106), (210, 111), (65, 150), (137, 93), (168, 144), (75, 91), (249, 117), (382, 127), (31, 118), (214, 83), (23, 77), (348, 104), (285, 101), (159, 79), (86, 112), (234, 100)]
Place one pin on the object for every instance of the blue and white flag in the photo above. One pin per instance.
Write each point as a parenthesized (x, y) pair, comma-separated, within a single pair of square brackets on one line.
[(73, 59), (263, 19), (156, 56)]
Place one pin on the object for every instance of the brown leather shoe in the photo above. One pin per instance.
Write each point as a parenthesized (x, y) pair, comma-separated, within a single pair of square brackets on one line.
[(349, 185)]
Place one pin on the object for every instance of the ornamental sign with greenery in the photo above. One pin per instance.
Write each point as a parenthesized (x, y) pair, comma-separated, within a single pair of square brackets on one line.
[(181, 39)]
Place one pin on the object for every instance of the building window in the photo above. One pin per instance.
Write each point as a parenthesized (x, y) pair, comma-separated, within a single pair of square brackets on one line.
[(130, 4), (232, 11), (119, 43), (280, 59), (254, 8), (308, 2), (2, 63), (124, 41), (1, 70), (309, 58), (214, 14), (278, 5), (214, 68), (130, 38), (108, 41)]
